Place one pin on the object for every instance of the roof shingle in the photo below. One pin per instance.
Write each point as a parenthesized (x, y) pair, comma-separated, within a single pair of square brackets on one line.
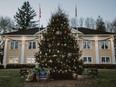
[(35, 30)]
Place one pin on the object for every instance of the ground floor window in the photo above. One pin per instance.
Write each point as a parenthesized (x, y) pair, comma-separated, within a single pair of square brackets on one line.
[(30, 59), (87, 59), (105, 59), (13, 59)]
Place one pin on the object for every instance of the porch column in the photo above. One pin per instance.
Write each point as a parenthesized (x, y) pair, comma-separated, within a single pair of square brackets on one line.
[(97, 52), (113, 52), (23, 51), (5, 53)]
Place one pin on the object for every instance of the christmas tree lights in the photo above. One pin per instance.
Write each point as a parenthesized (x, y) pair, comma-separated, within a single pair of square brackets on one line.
[(58, 49)]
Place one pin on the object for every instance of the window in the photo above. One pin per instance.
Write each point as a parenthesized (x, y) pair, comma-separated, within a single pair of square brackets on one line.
[(30, 59), (32, 45), (86, 44), (13, 59), (105, 59), (104, 45), (13, 45), (87, 59)]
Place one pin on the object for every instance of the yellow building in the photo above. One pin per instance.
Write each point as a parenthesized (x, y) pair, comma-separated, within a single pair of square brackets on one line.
[(97, 46)]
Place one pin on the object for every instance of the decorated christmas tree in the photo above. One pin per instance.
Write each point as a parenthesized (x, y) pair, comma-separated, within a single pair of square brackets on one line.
[(59, 49)]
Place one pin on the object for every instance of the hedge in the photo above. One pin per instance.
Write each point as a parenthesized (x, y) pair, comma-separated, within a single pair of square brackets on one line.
[(18, 66), (1, 66), (100, 66)]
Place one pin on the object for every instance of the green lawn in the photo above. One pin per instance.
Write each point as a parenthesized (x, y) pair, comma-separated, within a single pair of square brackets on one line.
[(11, 78), (107, 78)]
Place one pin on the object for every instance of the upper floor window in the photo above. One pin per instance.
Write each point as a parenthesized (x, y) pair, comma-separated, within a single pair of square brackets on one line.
[(14, 45), (104, 44), (32, 45), (13, 59), (87, 59), (105, 59), (86, 44)]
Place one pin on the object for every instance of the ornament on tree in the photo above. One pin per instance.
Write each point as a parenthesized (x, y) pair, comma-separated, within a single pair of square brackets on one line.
[(50, 61), (64, 44), (58, 43), (58, 32), (49, 45), (63, 56), (58, 51), (69, 54), (49, 50), (62, 25), (45, 53), (54, 55)]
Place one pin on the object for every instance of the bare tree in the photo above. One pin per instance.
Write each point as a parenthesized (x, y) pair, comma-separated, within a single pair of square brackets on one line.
[(114, 25), (90, 23), (109, 26), (74, 22), (6, 25), (81, 22)]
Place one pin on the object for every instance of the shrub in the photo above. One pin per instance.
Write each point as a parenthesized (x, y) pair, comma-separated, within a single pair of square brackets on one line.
[(17, 66), (100, 66), (1, 66)]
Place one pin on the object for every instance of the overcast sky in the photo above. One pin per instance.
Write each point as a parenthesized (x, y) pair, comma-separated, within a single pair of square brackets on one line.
[(86, 8)]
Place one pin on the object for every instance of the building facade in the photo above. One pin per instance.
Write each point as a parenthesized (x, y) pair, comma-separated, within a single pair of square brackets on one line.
[(97, 47)]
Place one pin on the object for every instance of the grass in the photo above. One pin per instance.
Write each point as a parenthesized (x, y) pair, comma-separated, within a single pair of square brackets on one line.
[(107, 78), (10, 78)]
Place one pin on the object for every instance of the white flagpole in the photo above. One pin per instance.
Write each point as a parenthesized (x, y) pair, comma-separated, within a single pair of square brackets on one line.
[(39, 15)]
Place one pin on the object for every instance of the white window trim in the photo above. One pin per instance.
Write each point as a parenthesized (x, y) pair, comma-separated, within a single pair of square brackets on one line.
[(14, 45), (15, 57), (31, 58), (108, 45), (86, 44), (105, 60), (31, 45), (87, 59)]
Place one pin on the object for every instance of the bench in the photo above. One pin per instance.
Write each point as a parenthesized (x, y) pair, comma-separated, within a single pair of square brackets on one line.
[(93, 72)]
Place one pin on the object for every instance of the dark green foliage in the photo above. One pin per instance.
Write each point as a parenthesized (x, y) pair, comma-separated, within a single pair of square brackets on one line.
[(1, 66), (100, 25), (100, 66), (59, 49), (18, 66), (24, 16)]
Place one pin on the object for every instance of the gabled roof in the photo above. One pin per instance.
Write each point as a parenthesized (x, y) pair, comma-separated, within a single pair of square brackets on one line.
[(33, 31), (92, 31)]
